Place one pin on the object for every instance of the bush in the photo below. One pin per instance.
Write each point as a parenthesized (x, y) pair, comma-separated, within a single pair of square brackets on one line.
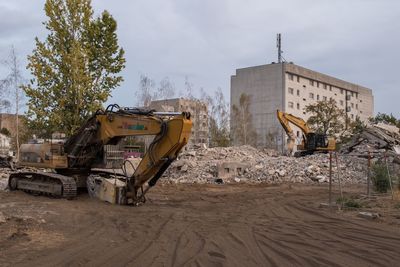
[(349, 202), (5, 131), (380, 178)]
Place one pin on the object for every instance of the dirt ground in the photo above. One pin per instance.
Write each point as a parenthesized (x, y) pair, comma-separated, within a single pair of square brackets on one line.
[(199, 225)]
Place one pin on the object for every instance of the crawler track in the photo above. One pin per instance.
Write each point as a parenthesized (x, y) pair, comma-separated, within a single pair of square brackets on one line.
[(43, 183)]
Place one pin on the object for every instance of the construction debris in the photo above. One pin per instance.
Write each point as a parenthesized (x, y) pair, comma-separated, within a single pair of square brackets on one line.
[(375, 141), (368, 215), (6, 161), (250, 165)]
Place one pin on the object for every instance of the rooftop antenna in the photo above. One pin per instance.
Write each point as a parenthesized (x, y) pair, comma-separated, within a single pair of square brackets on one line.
[(279, 46)]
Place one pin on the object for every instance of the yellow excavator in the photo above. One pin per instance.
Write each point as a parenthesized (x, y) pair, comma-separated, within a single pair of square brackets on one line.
[(311, 142), (77, 161)]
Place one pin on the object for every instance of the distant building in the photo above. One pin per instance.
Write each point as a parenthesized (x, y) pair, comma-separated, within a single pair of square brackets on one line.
[(199, 115), (289, 88), (8, 121)]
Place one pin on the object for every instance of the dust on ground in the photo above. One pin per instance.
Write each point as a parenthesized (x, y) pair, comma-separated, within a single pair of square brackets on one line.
[(199, 225)]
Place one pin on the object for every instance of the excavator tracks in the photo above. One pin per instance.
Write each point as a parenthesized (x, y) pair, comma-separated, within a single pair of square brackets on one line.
[(41, 183)]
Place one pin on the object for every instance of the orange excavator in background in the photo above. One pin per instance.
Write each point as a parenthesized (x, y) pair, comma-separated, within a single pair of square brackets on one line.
[(77, 162), (311, 142)]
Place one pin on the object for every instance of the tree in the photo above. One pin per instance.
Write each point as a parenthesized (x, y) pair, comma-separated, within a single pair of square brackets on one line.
[(165, 90), (5, 105), (188, 88), (218, 118), (389, 119), (145, 94), (74, 69), (13, 84), (357, 126), (326, 117), (243, 130)]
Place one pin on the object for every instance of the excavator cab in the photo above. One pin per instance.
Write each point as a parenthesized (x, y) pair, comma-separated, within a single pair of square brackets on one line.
[(315, 141)]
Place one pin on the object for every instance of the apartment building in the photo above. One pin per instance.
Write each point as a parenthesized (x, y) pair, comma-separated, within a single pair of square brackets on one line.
[(199, 114), (289, 87)]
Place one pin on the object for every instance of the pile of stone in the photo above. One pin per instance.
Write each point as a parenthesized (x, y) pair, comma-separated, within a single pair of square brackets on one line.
[(376, 141), (249, 165), (4, 173)]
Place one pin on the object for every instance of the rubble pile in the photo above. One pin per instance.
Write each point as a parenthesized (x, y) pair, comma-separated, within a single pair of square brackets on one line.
[(377, 141), (201, 166), (4, 173)]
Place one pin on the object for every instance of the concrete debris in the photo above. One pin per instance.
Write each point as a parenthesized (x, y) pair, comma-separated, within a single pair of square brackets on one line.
[(250, 165), (368, 215), (2, 218), (376, 140), (6, 161)]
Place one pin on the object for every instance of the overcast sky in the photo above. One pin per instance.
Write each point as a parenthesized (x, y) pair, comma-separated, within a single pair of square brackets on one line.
[(206, 40)]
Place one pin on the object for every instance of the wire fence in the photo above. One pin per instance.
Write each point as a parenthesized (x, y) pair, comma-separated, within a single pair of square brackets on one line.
[(382, 175)]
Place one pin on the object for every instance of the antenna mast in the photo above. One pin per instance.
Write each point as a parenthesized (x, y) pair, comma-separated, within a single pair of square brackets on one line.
[(279, 46)]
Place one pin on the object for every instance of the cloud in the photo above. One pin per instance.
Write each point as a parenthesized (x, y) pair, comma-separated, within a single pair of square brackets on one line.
[(207, 40)]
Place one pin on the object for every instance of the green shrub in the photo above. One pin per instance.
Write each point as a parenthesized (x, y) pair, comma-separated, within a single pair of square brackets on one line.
[(349, 202), (380, 178)]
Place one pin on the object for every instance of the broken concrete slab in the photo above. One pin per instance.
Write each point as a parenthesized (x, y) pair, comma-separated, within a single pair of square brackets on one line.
[(368, 215)]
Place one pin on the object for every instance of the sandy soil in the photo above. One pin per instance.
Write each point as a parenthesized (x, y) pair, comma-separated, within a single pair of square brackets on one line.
[(207, 225)]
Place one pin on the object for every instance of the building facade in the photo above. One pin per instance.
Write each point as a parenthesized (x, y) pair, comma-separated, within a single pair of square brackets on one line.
[(289, 88), (199, 114)]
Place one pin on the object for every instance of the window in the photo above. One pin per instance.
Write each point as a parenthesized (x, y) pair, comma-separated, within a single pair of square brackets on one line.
[(290, 76), (324, 98), (341, 102), (356, 106), (324, 86), (352, 93), (298, 79), (311, 95), (291, 91), (352, 105), (311, 82), (318, 84), (317, 97), (330, 87), (297, 133), (298, 106), (298, 92), (356, 95), (352, 116), (290, 104), (341, 91)]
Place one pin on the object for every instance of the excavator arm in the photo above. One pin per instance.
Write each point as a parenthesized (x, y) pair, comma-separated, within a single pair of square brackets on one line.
[(171, 130), (285, 119)]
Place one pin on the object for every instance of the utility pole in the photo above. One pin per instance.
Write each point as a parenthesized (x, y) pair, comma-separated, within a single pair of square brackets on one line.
[(279, 46)]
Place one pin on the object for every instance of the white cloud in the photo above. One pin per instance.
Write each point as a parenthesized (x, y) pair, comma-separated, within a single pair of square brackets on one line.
[(207, 40)]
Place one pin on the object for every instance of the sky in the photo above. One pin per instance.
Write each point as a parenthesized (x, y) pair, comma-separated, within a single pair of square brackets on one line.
[(205, 41)]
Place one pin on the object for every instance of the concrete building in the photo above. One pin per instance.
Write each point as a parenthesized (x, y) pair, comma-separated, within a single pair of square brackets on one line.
[(288, 87), (199, 115), (8, 121)]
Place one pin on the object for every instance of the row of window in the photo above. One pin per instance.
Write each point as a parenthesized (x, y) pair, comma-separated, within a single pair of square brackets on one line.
[(293, 77), (324, 98), (349, 108)]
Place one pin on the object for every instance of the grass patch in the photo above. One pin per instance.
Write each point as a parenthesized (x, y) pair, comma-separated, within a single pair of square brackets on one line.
[(351, 203)]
